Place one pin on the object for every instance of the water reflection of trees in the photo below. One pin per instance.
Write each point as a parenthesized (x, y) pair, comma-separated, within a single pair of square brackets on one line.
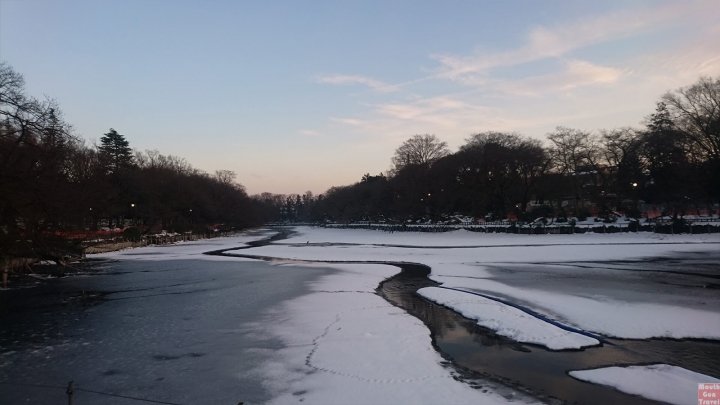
[(447, 325), (481, 350)]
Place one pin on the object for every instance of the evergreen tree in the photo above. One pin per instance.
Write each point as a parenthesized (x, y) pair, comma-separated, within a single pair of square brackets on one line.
[(115, 152), (661, 119), (665, 153)]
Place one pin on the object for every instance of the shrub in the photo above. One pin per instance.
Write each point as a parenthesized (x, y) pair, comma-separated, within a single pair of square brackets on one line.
[(632, 213), (132, 233)]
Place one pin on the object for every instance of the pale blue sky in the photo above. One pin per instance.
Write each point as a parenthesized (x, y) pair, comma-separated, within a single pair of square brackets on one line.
[(297, 96)]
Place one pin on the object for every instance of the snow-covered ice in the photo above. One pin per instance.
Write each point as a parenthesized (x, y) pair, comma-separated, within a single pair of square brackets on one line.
[(344, 344), (507, 321), (604, 312), (660, 382), (468, 238), (187, 250), (604, 315)]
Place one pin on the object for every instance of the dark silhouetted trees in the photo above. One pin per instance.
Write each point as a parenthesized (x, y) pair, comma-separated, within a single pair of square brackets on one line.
[(52, 182), (671, 165), (54, 187), (420, 150), (114, 152)]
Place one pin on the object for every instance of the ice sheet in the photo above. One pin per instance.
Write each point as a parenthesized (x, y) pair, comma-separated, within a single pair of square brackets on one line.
[(467, 238), (601, 314), (347, 345), (508, 321), (187, 250), (660, 382), (343, 342), (463, 268)]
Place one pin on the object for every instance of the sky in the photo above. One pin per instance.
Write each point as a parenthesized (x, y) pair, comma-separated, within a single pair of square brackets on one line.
[(299, 96)]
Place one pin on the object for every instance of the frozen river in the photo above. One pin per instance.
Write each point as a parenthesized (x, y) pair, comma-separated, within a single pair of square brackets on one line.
[(164, 330), (172, 325)]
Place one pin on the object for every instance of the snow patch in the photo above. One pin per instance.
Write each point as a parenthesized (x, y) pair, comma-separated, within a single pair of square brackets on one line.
[(467, 238), (187, 250), (659, 382), (606, 316), (345, 344), (507, 321), (464, 268)]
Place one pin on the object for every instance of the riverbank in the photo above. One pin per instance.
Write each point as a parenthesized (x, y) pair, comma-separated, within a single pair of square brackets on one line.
[(24, 272)]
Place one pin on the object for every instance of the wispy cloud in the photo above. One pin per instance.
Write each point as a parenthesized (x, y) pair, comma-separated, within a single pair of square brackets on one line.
[(549, 42), (676, 66), (595, 90), (366, 81), (395, 121), (576, 74), (426, 109), (348, 121), (309, 132)]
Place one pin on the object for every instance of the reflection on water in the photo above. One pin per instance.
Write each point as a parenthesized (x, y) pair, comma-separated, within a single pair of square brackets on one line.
[(542, 371)]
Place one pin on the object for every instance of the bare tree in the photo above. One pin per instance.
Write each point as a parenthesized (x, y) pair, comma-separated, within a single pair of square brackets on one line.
[(35, 144), (225, 176), (575, 155), (500, 167), (154, 160), (503, 139), (695, 110), (421, 150), (622, 150), (617, 143), (533, 162)]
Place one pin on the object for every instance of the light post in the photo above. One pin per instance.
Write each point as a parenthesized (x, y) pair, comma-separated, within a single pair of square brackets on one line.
[(132, 208), (635, 201)]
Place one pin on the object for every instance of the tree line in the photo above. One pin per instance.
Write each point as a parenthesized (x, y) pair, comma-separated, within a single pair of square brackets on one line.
[(670, 166), (57, 190)]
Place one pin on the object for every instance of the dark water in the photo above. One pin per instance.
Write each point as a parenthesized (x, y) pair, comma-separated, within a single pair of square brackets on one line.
[(542, 372), (173, 331)]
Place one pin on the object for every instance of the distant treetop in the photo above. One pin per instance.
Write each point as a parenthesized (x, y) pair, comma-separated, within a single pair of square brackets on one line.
[(115, 152)]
